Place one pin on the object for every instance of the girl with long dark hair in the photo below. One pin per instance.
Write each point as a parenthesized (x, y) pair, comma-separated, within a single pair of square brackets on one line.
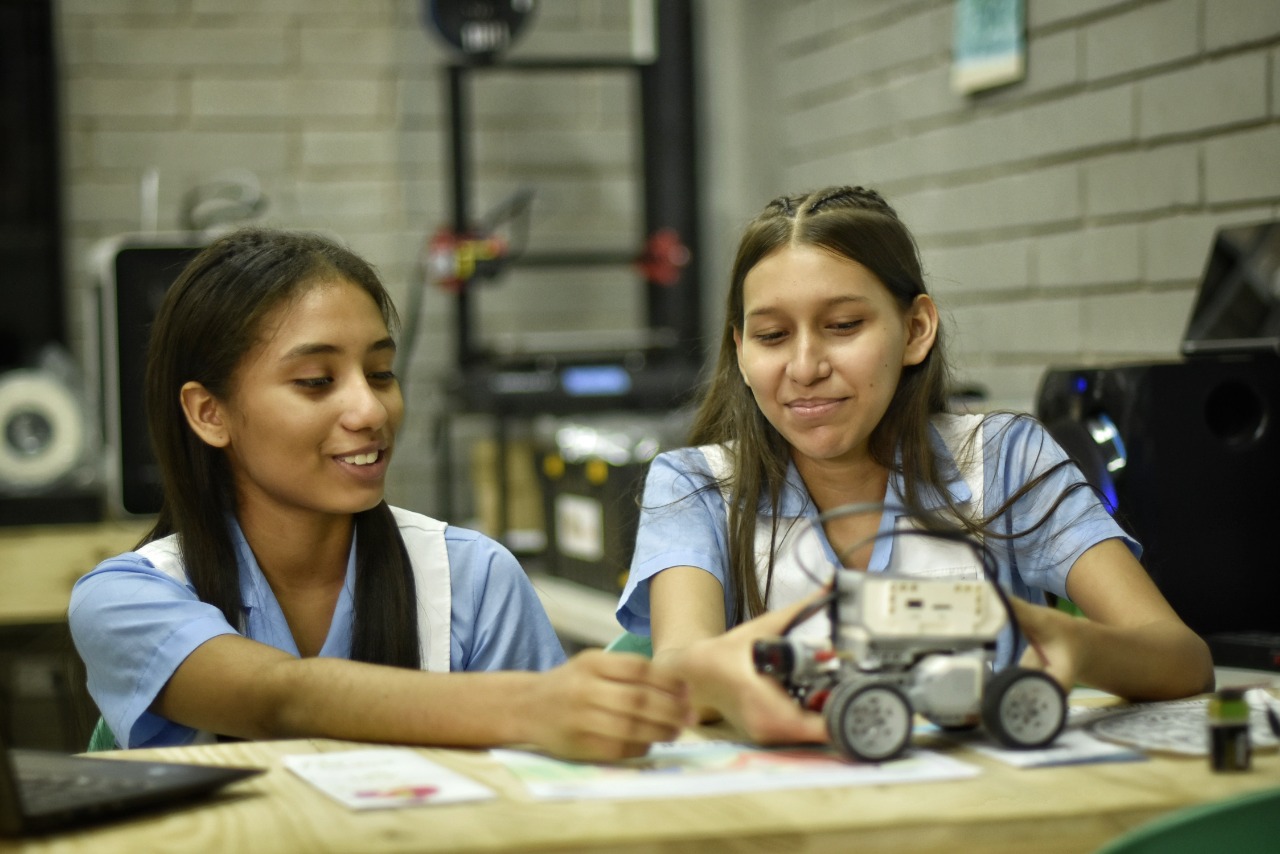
[(278, 594), (831, 390)]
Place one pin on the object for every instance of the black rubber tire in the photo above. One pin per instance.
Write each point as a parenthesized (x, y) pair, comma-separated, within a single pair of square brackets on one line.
[(1024, 709), (869, 722)]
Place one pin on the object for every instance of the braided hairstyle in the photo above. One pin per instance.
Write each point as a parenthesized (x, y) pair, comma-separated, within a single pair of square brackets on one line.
[(854, 223)]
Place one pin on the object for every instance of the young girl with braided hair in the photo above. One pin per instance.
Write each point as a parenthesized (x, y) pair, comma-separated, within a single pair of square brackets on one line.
[(831, 389)]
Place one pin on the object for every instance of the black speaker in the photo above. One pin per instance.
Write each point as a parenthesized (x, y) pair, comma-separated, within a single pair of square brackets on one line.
[(1188, 454), (48, 473), (30, 218), (135, 273)]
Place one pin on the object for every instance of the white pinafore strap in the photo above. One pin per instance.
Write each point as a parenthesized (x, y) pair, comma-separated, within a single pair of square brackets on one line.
[(798, 556), (931, 557), (424, 540), (801, 566)]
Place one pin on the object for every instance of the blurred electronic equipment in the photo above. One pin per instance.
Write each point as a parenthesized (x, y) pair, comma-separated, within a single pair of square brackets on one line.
[(134, 272), (653, 364), (47, 434), (1188, 452), (653, 367)]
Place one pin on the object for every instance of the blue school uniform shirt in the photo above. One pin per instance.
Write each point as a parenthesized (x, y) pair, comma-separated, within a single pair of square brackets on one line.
[(133, 625), (683, 519)]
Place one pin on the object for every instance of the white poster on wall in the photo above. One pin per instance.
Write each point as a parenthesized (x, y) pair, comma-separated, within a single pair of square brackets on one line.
[(989, 44)]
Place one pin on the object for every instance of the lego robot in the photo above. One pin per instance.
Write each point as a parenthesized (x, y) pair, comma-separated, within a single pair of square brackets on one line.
[(902, 645)]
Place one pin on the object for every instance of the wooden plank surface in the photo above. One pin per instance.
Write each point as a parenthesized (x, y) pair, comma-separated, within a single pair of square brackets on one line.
[(1053, 810), (39, 564)]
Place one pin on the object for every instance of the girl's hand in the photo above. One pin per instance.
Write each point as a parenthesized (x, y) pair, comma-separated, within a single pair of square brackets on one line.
[(605, 706), (1053, 641), (723, 670)]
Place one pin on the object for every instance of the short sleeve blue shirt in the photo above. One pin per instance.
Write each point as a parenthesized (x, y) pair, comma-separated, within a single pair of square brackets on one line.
[(683, 518), (133, 625)]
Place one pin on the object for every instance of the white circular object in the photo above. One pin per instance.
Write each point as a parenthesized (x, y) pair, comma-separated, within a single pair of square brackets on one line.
[(42, 429)]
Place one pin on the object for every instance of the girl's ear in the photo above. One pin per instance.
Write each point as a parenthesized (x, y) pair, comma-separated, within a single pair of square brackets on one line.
[(737, 343), (204, 414), (922, 329)]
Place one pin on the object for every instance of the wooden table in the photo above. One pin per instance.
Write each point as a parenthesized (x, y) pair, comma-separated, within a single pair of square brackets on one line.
[(1050, 810), (39, 564), (1047, 810), (41, 680)]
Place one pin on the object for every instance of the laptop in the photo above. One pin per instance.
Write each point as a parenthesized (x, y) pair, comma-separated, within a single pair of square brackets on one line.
[(42, 791), (1237, 308)]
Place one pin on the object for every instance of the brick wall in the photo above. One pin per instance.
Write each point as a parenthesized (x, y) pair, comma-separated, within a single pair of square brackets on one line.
[(1064, 218), (338, 109)]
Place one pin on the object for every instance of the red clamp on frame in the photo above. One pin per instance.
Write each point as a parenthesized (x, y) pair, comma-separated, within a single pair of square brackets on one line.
[(453, 260), (665, 255)]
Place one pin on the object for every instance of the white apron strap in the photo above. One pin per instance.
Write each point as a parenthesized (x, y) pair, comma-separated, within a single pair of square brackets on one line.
[(929, 557), (424, 540), (801, 565)]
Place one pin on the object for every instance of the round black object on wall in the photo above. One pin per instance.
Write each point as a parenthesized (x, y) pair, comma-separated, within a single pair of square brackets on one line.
[(479, 28)]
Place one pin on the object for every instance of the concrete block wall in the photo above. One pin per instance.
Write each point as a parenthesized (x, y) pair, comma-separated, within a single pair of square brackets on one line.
[(338, 109), (1065, 218)]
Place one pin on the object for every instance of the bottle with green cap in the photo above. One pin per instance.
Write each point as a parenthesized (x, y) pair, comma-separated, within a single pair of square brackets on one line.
[(1229, 747)]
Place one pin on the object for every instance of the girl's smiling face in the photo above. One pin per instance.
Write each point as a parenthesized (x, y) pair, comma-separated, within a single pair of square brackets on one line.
[(311, 418), (822, 346)]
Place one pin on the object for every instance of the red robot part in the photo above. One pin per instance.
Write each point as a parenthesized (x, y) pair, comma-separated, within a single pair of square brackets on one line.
[(453, 260), (665, 255)]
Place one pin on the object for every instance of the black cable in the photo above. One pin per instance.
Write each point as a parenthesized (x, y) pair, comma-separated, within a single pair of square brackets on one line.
[(809, 611), (409, 325), (981, 550)]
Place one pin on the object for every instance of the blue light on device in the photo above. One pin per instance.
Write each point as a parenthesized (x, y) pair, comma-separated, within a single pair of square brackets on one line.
[(595, 380), (1104, 433)]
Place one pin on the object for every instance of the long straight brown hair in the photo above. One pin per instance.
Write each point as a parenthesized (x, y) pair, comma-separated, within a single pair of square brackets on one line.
[(858, 224)]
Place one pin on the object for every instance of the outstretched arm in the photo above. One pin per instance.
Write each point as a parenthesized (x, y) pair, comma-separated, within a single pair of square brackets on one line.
[(1132, 643), (689, 637), (596, 706)]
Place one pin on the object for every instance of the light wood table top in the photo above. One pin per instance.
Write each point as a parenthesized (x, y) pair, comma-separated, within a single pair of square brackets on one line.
[(1003, 809), (39, 564), (1059, 810)]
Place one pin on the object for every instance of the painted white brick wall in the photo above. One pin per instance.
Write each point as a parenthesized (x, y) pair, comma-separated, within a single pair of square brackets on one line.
[(1063, 219), (1097, 256), (1214, 94), (1141, 38), (1134, 182), (338, 109), (1243, 166)]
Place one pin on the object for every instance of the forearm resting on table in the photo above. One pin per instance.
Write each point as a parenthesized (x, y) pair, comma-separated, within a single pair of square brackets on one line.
[(597, 705), (291, 697), (1161, 660)]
